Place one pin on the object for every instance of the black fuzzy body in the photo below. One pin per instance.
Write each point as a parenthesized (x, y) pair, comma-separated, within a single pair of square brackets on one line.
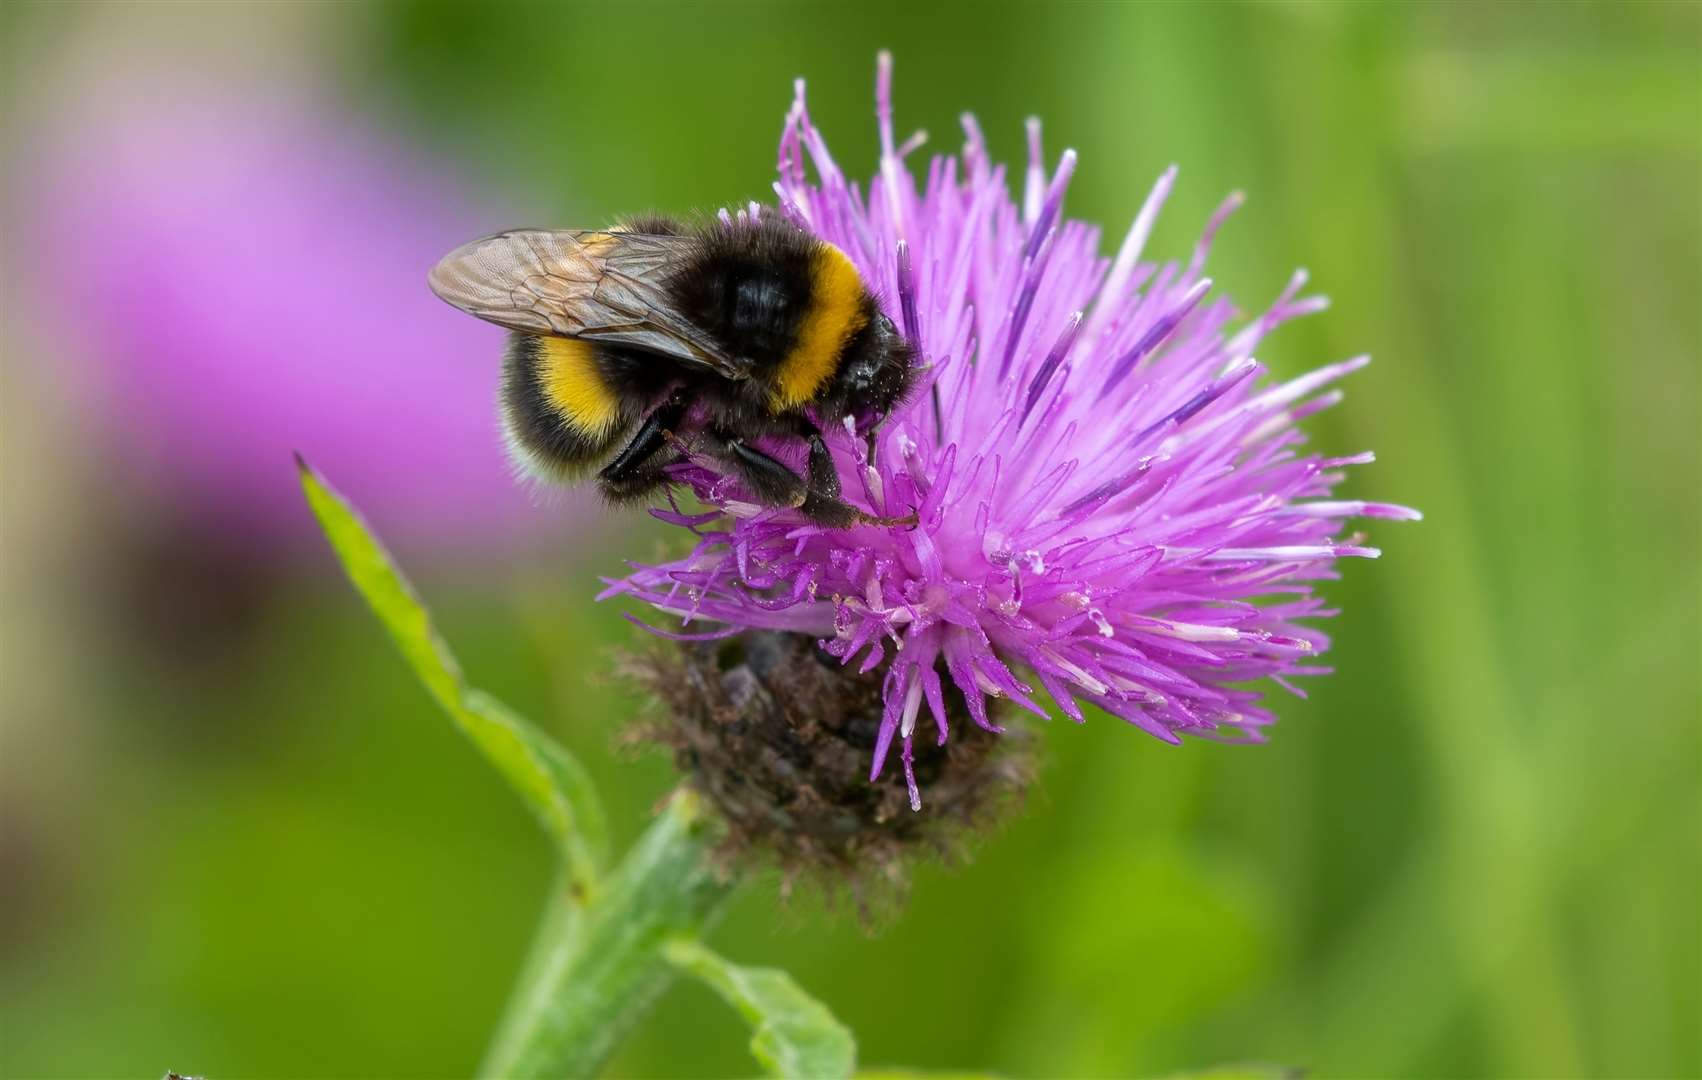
[(749, 288)]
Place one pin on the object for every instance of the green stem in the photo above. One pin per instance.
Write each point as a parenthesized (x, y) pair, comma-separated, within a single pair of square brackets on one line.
[(596, 967)]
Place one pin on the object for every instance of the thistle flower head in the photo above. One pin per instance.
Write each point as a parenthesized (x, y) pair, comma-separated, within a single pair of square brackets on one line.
[(1114, 507), (776, 735)]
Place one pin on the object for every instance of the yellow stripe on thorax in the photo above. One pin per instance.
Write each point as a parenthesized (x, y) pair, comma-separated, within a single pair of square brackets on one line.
[(835, 314), (570, 381)]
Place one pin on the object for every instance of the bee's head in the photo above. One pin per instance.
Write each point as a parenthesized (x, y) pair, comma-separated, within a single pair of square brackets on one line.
[(876, 372)]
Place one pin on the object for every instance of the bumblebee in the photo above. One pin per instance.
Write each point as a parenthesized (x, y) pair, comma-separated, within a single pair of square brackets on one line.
[(665, 339)]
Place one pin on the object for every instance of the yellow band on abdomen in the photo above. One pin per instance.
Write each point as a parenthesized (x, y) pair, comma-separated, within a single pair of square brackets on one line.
[(574, 387), (835, 314)]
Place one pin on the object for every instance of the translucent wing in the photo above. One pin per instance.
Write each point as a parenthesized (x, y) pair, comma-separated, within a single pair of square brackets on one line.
[(603, 286)]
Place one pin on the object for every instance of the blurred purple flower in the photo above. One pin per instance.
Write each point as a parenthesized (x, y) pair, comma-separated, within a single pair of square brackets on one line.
[(1110, 498), (248, 278)]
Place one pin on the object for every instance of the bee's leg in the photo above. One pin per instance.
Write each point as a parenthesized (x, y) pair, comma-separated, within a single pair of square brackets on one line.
[(637, 469), (771, 480), (822, 503)]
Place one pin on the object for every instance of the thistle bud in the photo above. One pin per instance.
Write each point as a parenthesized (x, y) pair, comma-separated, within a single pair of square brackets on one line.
[(777, 736)]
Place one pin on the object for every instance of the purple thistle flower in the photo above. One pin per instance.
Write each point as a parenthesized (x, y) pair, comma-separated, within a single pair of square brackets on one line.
[(1110, 497)]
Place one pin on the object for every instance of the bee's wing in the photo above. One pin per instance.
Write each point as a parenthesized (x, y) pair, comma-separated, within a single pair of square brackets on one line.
[(598, 285)]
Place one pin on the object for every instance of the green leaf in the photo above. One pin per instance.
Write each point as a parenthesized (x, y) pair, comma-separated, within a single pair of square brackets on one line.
[(551, 781), (793, 1034)]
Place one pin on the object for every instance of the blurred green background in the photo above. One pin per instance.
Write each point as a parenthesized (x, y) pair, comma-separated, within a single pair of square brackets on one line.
[(237, 839)]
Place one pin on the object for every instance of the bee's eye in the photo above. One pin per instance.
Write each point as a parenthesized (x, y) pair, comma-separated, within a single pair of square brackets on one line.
[(886, 324)]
